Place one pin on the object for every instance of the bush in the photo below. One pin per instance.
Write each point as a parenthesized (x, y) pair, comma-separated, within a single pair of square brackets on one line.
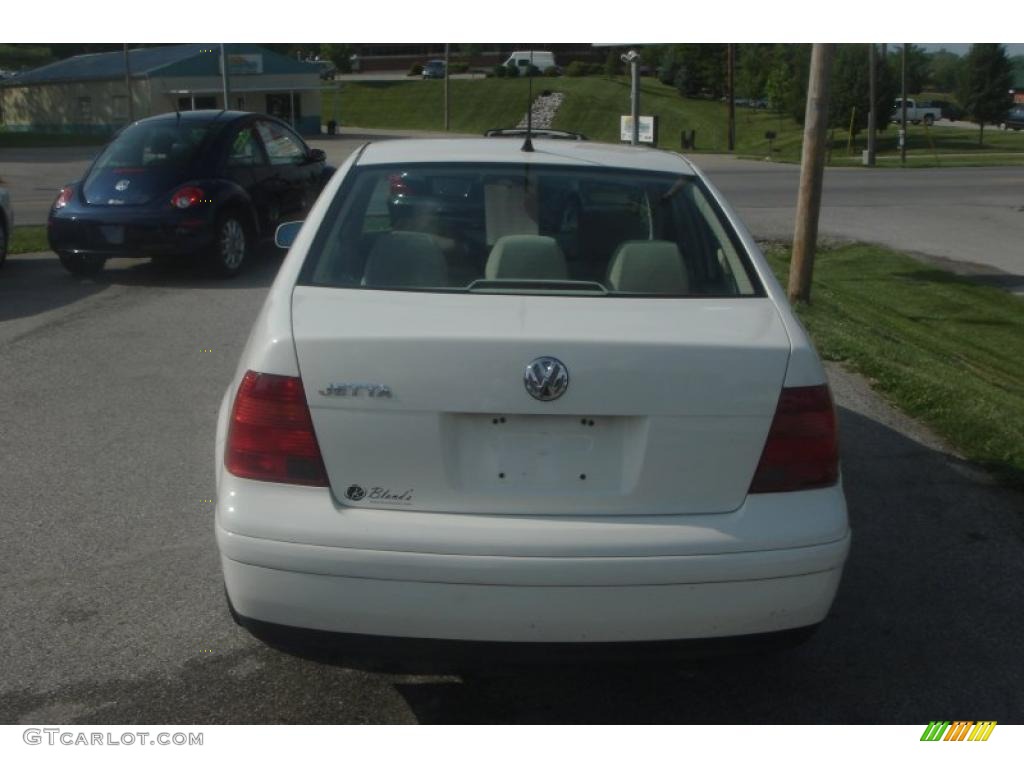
[(577, 69), (551, 72), (458, 67), (612, 64), (499, 71), (512, 70), (415, 70)]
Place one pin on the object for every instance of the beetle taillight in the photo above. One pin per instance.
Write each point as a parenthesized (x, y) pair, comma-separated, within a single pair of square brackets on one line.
[(186, 197), (63, 198)]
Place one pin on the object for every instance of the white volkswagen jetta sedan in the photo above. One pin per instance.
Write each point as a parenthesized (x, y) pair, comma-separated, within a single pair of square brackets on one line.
[(548, 396)]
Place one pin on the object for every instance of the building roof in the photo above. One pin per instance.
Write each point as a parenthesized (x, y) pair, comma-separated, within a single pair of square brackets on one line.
[(190, 59), (509, 150)]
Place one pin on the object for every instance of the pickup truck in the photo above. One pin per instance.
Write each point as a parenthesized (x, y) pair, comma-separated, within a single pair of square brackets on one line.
[(917, 112)]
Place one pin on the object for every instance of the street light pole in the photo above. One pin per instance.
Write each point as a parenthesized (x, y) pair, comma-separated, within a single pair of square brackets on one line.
[(633, 59), (447, 121), (812, 168), (731, 84), (224, 79), (873, 111), (903, 108), (128, 86)]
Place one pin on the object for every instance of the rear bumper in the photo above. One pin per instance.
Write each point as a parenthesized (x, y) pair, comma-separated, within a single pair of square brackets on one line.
[(531, 613), (134, 236), (532, 580)]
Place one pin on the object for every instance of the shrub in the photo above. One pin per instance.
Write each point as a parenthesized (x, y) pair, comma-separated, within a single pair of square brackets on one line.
[(577, 69), (458, 67), (551, 72), (499, 71), (512, 70), (612, 64), (416, 69)]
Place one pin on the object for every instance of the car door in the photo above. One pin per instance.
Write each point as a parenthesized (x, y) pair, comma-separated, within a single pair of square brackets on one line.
[(246, 164), (293, 176)]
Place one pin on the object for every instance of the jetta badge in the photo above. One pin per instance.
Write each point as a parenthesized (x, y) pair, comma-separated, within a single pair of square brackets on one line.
[(335, 389), (122, 185), (546, 378)]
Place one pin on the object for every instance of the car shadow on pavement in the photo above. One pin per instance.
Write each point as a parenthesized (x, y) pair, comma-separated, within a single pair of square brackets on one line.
[(31, 284)]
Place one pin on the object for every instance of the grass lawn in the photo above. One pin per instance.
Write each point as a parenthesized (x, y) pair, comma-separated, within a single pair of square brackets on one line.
[(29, 239), (593, 104), (945, 350)]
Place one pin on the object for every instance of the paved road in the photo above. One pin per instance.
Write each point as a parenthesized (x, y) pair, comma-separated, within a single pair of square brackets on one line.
[(971, 216), (112, 601)]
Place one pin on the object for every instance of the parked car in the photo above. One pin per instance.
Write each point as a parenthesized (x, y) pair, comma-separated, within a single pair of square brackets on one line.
[(434, 70), (573, 406), (206, 182), (1014, 119), (949, 110), (523, 60), (6, 224), (917, 112)]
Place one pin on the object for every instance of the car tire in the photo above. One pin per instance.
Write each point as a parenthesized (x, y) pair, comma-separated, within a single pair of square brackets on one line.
[(3, 242), (231, 245), (81, 264)]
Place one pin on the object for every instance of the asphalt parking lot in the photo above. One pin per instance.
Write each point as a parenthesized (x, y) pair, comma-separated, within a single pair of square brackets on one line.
[(113, 604)]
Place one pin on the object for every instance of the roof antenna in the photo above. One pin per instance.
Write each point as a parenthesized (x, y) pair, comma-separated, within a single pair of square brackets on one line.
[(528, 144)]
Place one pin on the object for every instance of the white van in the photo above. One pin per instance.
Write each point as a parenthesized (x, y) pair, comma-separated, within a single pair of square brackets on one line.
[(542, 60)]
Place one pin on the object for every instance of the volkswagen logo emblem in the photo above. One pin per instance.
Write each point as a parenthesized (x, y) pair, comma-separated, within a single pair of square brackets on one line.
[(355, 493), (122, 185), (546, 378)]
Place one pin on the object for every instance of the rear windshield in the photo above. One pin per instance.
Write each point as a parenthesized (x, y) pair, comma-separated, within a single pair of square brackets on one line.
[(520, 229), (160, 144)]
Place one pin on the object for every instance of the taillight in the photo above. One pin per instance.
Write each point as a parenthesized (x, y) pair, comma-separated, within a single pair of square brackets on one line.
[(186, 197), (271, 436), (399, 185), (63, 198), (802, 449)]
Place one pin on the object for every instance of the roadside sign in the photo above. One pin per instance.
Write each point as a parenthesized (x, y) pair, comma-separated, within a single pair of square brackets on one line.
[(648, 128)]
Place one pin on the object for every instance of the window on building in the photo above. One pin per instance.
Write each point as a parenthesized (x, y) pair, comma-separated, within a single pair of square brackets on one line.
[(281, 105), (120, 104), (84, 109), (201, 102)]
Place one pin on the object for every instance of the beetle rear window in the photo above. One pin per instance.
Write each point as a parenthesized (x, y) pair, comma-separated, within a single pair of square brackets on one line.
[(523, 229)]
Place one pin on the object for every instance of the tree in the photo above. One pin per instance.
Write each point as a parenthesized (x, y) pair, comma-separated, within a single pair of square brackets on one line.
[(338, 54), (850, 90), (917, 66), (944, 70), (612, 63), (752, 70), (985, 84)]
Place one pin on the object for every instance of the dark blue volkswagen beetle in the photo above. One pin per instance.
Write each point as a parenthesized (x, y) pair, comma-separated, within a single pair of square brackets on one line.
[(207, 183)]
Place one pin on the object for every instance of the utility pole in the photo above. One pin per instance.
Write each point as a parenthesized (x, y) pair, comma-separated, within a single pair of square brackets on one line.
[(873, 110), (128, 86), (730, 57), (225, 80), (812, 168), (447, 121), (903, 108)]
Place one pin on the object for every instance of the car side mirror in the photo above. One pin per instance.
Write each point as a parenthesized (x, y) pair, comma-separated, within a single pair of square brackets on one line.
[(286, 234), (317, 156)]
